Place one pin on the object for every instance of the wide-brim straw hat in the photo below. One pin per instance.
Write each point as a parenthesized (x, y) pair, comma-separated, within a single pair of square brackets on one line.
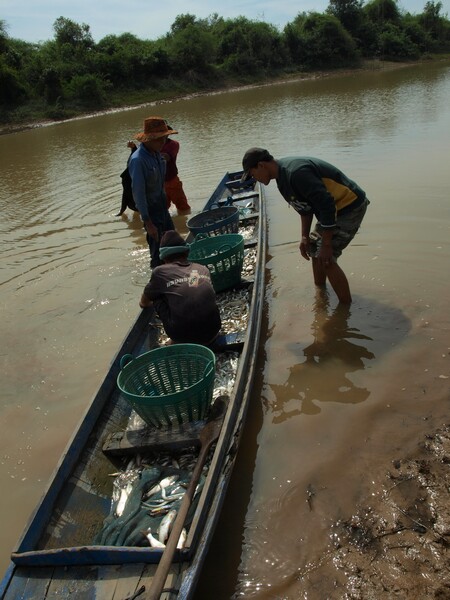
[(154, 128)]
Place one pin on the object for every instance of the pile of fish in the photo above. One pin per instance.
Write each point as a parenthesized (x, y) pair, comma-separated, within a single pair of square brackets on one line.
[(226, 368), (248, 232), (234, 307), (248, 268), (147, 494), (144, 506)]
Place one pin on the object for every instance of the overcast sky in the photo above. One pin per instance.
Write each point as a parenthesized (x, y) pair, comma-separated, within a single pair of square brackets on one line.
[(32, 20)]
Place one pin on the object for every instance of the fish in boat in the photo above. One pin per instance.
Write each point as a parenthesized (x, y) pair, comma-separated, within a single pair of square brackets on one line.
[(165, 525), (75, 540)]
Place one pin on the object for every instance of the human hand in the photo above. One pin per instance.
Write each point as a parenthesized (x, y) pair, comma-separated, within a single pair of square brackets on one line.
[(304, 247), (151, 230), (144, 302)]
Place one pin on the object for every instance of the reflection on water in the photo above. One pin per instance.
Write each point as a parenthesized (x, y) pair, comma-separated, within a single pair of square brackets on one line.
[(341, 348), (324, 374)]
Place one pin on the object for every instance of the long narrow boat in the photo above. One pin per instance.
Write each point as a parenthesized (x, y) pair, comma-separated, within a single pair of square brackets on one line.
[(59, 554)]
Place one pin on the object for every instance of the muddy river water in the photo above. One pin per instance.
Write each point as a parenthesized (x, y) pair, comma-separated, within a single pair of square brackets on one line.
[(339, 393)]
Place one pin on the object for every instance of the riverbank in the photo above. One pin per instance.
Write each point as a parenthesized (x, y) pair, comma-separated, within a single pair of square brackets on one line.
[(396, 544), (228, 86)]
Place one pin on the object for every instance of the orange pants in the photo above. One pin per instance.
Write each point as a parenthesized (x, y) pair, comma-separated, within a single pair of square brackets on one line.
[(175, 194)]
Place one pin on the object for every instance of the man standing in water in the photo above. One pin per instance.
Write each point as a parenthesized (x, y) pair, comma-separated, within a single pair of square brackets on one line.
[(148, 169), (173, 185), (315, 188)]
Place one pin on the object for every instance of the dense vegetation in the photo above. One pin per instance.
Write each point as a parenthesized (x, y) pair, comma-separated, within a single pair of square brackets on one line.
[(72, 74)]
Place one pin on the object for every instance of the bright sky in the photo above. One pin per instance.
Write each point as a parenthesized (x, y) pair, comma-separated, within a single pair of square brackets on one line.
[(32, 20)]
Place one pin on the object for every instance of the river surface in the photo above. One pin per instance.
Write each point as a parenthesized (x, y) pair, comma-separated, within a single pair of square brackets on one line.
[(338, 395)]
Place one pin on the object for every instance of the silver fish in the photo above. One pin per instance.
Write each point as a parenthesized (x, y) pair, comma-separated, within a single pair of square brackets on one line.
[(165, 525), (124, 493), (162, 484), (154, 543), (182, 540)]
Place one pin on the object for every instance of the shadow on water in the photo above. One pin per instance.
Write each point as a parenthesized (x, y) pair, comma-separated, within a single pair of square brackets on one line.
[(346, 340), (134, 222)]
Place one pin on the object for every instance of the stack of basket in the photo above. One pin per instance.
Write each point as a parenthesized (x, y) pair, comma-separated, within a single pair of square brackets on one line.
[(218, 245)]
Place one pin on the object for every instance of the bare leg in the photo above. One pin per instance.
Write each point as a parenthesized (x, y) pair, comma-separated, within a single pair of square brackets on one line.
[(320, 277), (339, 283), (336, 277)]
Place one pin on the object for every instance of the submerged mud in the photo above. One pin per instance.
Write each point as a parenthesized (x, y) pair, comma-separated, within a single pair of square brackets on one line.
[(396, 545)]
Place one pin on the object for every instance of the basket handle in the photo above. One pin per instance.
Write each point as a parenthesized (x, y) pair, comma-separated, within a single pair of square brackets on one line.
[(220, 204), (200, 236), (224, 248), (125, 359), (209, 365)]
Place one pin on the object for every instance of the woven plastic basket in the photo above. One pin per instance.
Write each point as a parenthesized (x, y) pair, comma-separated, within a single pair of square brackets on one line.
[(224, 257), (216, 221), (169, 386)]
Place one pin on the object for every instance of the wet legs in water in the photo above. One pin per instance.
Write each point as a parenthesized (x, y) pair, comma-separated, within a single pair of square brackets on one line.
[(336, 277)]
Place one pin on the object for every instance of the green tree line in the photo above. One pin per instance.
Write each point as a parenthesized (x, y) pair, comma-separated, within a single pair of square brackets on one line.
[(71, 74)]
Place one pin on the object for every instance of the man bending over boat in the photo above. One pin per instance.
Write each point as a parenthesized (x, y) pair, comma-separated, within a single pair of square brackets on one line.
[(182, 294), (315, 188)]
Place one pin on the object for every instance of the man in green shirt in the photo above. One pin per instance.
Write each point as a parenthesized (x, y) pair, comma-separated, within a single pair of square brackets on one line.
[(315, 188)]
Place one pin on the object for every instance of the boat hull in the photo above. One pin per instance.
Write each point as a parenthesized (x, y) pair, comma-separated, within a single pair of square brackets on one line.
[(54, 556)]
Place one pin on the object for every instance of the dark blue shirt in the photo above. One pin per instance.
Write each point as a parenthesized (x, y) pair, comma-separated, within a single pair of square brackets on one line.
[(148, 170)]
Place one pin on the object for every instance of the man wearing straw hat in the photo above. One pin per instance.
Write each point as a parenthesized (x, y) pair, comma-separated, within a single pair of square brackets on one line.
[(182, 294), (148, 169)]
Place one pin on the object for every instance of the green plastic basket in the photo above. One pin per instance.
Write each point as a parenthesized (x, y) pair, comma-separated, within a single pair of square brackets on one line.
[(216, 221), (169, 386), (223, 255)]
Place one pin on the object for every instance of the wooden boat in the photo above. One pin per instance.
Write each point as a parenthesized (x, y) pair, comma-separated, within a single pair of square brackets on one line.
[(56, 556)]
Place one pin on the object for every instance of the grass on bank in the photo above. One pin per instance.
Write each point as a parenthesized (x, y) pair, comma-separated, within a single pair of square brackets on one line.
[(37, 112)]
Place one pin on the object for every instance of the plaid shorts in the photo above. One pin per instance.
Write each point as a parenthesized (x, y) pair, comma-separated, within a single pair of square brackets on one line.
[(346, 227)]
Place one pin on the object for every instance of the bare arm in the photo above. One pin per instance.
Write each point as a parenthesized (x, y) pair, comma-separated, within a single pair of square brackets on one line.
[(145, 301), (304, 242)]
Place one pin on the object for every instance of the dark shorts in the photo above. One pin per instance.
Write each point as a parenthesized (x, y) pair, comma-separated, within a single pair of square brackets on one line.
[(189, 331), (163, 224), (346, 227)]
